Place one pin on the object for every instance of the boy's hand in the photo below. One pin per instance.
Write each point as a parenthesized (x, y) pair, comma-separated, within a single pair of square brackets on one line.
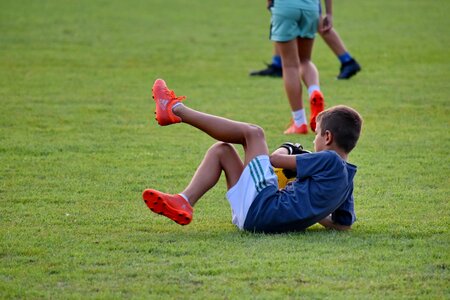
[(293, 149), (328, 223)]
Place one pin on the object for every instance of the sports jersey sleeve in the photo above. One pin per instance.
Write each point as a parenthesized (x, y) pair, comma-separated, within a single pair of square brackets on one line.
[(345, 214), (321, 163)]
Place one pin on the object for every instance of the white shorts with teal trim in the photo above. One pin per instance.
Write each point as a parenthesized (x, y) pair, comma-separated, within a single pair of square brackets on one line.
[(257, 175)]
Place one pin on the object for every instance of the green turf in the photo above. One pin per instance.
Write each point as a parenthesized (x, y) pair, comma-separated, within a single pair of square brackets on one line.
[(78, 144)]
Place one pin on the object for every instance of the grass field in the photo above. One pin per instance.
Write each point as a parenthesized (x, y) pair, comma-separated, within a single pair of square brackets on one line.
[(78, 144)]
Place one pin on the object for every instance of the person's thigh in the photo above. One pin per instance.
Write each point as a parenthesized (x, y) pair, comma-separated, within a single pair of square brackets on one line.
[(289, 53), (305, 46)]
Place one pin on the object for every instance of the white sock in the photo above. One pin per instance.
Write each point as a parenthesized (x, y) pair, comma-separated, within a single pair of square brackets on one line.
[(299, 117), (184, 197), (313, 88), (176, 104)]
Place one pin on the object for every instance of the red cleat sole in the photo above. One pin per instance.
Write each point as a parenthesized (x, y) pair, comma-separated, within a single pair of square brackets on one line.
[(164, 204)]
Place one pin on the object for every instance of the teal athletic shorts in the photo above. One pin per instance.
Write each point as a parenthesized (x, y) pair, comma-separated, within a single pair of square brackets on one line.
[(289, 23)]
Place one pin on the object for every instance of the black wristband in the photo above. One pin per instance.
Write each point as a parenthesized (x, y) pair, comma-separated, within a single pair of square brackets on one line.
[(289, 146), (292, 148)]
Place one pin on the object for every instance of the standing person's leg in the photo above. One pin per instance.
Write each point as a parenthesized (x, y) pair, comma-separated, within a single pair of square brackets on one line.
[(333, 41), (310, 77), (284, 31), (291, 67), (292, 85), (310, 74), (349, 66)]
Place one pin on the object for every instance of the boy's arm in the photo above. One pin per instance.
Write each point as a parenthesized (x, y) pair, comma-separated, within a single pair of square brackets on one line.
[(281, 159), (328, 223)]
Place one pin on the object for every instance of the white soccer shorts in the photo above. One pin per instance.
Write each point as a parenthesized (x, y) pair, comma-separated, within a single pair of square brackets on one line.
[(257, 175)]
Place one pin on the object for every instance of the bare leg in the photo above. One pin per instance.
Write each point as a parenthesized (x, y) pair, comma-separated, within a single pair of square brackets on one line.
[(334, 41), (251, 137), (221, 156), (310, 74), (291, 72)]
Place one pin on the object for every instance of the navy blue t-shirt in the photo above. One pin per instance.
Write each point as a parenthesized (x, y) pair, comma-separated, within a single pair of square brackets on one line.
[(324, 186)]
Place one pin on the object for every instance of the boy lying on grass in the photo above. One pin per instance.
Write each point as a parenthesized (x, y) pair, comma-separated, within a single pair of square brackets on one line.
[(322, 191)]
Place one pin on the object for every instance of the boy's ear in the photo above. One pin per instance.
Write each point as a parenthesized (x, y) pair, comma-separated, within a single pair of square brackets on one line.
[(328, 137)]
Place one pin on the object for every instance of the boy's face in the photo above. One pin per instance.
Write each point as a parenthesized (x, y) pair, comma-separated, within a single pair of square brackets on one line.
[(319, 140)]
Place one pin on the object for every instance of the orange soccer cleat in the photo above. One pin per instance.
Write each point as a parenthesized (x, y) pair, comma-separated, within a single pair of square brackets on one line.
[(165, 99), (317, 105), (174, 207), (293, 129)]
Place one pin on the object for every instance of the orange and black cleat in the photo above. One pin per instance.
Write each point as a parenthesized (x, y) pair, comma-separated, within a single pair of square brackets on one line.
[(174, 207), (165, 99)]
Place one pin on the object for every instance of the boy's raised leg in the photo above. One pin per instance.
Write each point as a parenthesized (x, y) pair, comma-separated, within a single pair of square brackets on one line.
[(169, 110)]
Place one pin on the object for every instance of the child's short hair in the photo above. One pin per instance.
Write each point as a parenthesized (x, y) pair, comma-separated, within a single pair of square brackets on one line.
[(344, 123)]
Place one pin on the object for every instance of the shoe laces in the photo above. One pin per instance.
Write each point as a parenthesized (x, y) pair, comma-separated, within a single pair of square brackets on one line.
[(172, 95)]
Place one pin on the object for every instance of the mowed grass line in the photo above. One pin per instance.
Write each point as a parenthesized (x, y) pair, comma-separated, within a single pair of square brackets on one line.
[(78, 144)]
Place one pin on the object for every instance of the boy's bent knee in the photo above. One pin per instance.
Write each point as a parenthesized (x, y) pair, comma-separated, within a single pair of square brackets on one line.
[(254, 131), (221, 147), (255, 142)]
